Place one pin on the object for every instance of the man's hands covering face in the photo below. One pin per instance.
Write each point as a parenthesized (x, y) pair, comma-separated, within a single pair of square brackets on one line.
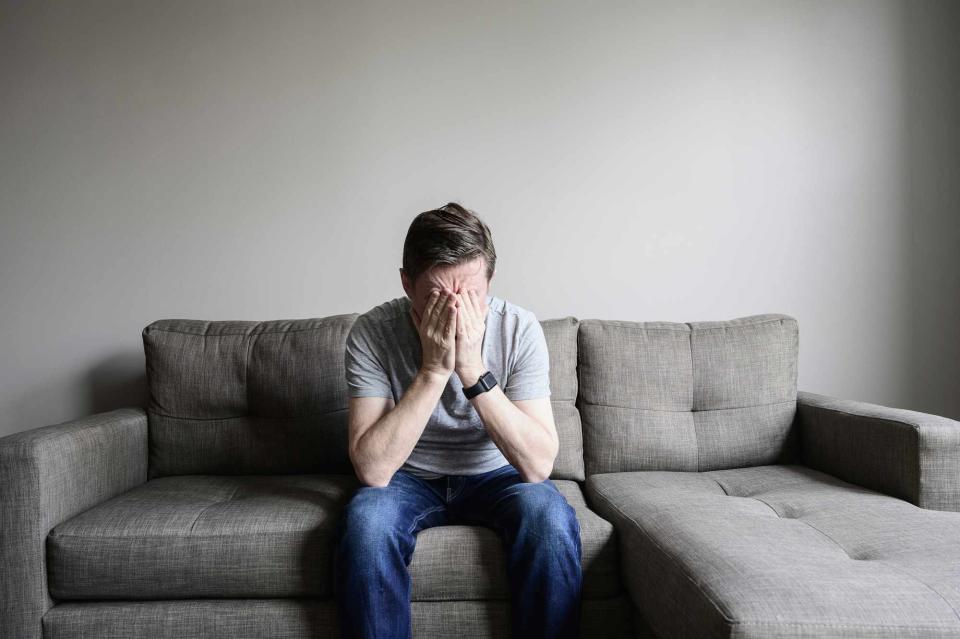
[(451, 333), (471, 325), (437, 327)]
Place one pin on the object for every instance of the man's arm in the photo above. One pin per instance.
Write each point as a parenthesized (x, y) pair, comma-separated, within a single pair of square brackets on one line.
[(383, 434), (523, 430)]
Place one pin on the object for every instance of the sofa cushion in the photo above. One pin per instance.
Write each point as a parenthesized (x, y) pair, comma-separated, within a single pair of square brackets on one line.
[(561, 336), (272, 536), (243, 397), (776, 551), (692, 397), (236, 397), (300, 618)]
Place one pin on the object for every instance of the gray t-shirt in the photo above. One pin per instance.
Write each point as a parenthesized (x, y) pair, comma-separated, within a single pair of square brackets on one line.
[(383, 355)]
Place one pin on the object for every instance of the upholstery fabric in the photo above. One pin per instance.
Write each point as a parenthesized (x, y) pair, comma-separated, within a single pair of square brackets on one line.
[(212, 513), (244, 397), (301, 619), (561, 335), (780, 550), (48, 475), (272, 536), (906, 454), (693, 397)]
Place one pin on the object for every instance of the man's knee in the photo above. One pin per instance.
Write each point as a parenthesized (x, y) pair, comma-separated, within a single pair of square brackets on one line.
[(371, 515), (544, 508)]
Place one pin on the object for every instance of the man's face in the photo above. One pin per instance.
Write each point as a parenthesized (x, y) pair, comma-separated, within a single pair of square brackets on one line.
[(458, 279)]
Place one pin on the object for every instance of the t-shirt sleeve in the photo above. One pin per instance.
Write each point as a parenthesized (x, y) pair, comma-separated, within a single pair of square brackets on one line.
[(366, 376), (530, 375)]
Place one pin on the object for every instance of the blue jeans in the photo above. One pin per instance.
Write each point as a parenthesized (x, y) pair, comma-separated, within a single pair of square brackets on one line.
[(376, 536)]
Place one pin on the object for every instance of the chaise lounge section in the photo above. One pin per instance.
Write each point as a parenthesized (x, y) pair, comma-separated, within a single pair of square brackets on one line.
[(746, 509)]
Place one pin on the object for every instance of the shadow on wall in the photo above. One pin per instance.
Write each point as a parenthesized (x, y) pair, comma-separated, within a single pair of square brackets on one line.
[(931, 103), (118, 381)]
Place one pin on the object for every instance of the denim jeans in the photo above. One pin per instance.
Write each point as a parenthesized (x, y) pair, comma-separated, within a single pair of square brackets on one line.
[(376, 536)]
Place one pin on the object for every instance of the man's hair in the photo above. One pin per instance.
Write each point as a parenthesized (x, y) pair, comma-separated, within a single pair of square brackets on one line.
[(446, 236)]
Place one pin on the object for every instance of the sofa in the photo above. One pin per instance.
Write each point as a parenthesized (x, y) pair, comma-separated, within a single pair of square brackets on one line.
[(714, 499)]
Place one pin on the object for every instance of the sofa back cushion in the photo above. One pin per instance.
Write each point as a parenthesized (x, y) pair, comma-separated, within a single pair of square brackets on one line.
[(246, 397), (687, 397), (561, 335)]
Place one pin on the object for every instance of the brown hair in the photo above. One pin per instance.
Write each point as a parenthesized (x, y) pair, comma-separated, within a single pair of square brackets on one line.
[(449, 235)]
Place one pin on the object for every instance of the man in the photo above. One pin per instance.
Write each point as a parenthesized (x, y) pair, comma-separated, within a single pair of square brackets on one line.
[(450, 422)]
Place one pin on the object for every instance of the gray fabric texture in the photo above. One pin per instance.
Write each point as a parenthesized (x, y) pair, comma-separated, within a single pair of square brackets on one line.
[(780, 551), (272, 536), (243, 397), (48, 475), (243, 415), (693, 397), (906, 454), (384, 355), (301, 619), (561, 334)]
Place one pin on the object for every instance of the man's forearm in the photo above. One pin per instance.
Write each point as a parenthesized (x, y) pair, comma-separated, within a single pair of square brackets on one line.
[(525, 442), (386, 445)]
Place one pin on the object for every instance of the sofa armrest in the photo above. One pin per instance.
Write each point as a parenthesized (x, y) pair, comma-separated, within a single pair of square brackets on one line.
[(48, 475), (906, 454)]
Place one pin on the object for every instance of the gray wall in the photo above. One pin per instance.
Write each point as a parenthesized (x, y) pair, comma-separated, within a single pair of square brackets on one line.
[(641, 161)]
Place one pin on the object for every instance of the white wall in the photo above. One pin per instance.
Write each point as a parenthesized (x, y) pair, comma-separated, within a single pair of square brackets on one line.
[(642, 161)]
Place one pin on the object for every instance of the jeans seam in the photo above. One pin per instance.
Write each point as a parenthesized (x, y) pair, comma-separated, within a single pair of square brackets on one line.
[(463, 482), (421, 516)]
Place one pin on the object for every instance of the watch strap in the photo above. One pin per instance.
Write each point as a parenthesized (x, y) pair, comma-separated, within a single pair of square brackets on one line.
[(485, 383)]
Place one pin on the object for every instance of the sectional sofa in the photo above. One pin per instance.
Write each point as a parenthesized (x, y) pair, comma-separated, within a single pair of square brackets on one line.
[(714, 499)]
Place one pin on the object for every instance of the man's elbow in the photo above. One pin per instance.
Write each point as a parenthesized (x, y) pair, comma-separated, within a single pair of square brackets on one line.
[(376, 484), (369, 474), (374, 479), (539, 474), (543, 471), (534, 479)]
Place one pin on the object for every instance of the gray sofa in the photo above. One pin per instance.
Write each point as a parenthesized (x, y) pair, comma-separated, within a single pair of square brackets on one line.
[(713, 499)]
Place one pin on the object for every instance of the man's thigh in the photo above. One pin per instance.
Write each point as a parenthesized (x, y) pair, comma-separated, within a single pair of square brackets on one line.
[(403, 507), (502, 500)]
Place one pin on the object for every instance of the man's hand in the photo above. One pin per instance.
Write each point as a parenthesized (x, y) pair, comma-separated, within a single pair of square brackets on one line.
[(437, 328), (471, 325)]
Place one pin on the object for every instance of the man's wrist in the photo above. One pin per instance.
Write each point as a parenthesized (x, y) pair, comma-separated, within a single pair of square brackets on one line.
[(434, 377), (470, 376)]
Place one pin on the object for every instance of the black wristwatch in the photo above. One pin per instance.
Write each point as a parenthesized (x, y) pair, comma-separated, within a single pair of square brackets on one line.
[(485, 383)]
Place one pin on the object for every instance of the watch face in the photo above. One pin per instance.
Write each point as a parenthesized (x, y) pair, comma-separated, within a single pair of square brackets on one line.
[(488, 380)]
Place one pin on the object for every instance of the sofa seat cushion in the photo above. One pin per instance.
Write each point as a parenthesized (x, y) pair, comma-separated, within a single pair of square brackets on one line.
[(774, 551), (191, 536)]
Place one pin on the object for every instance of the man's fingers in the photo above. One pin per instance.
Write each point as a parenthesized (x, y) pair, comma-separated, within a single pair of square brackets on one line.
[(476, 313), (450, 328), (467, 308), (477, 305), (461, 322), (439, 313), (464, 323), (480, 305), (429, 308)]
